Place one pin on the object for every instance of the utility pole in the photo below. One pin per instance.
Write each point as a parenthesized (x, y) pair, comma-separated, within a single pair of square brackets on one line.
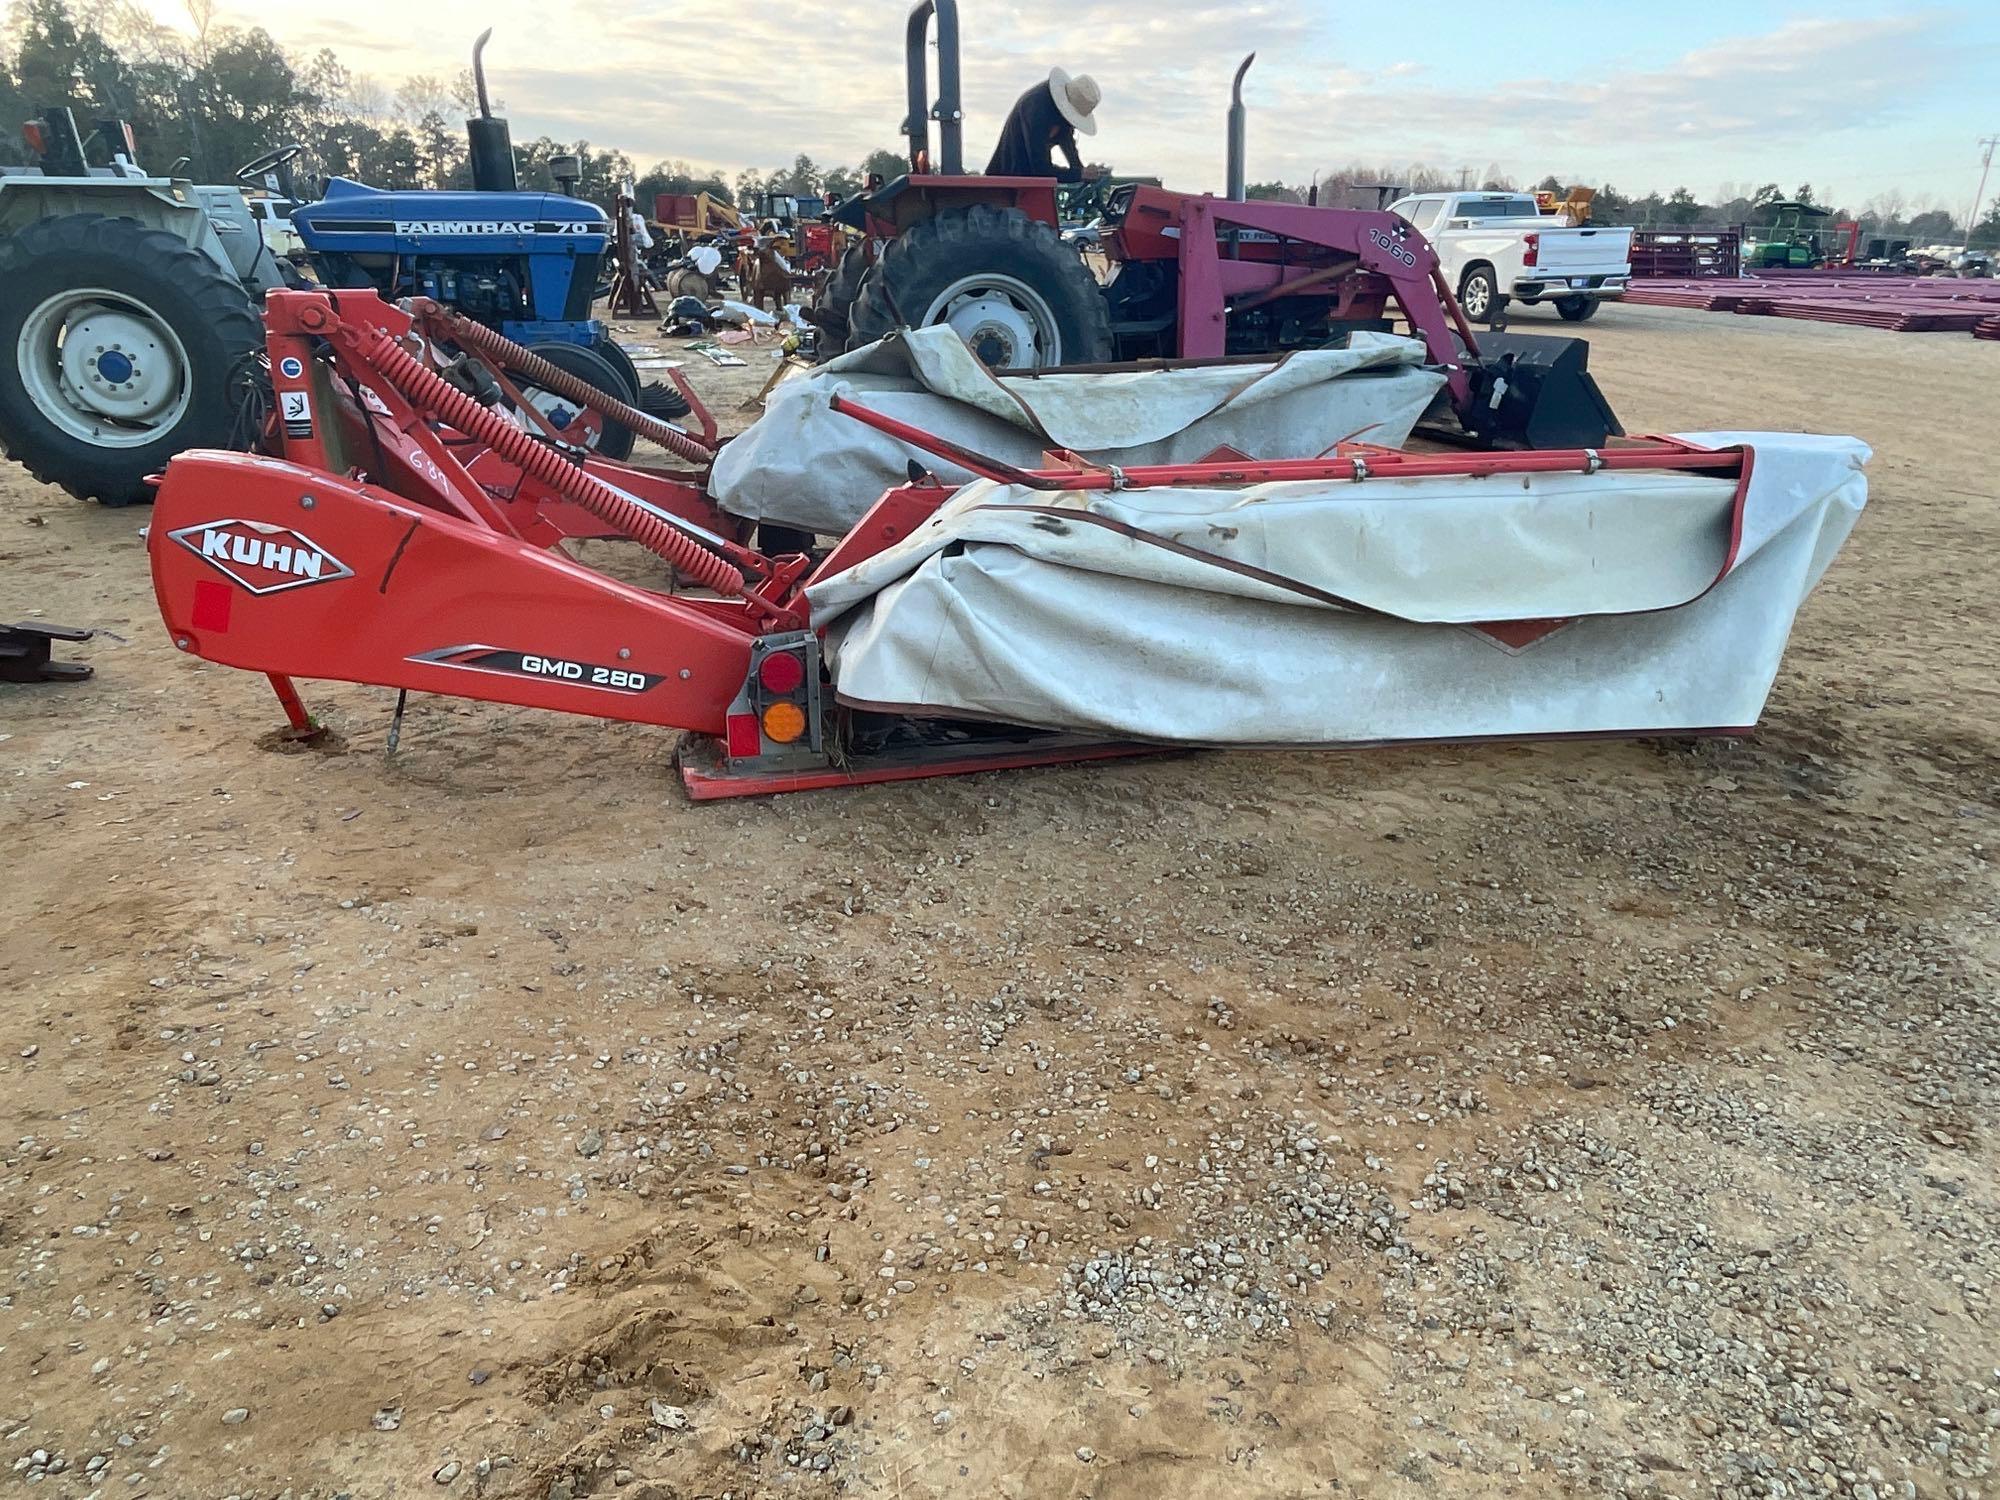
[(1985, 165)]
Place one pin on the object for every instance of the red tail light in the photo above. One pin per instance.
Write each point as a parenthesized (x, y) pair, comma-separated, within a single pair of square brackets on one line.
[(1534, 243), (781, 672), (36, 137)]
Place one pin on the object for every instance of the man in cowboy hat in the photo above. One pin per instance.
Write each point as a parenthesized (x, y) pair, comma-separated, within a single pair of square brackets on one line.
[(1043, 121)]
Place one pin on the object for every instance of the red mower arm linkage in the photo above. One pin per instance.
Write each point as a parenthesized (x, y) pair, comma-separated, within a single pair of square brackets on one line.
[(505, 354), (297, 567), (371, 345)]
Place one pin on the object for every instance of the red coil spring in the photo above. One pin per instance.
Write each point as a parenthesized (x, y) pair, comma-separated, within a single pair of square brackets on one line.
[(511, 356), (425, 387)]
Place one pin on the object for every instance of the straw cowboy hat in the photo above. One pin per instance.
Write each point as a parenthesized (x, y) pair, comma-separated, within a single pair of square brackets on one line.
[(1076, 98)]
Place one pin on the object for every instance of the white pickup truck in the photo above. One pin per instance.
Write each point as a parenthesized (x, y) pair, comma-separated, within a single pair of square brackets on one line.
[(1494, 246), (274, 222)]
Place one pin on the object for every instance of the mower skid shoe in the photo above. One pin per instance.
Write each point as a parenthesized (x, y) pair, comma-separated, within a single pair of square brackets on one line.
[(1548, 399), (710, 775), (294, 572)]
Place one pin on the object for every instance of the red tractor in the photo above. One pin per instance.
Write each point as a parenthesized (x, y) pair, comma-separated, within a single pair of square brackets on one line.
[(1192, 276)]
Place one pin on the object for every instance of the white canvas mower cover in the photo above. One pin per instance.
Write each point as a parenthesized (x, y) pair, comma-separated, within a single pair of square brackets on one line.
[(804, 465), (1334, 612)]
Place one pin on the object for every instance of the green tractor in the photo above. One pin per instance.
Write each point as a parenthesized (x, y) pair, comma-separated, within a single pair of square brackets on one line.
[(128, 311), (1790, 242)]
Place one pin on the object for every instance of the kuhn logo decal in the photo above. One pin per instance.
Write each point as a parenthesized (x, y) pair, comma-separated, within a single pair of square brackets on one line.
[(262, 558)]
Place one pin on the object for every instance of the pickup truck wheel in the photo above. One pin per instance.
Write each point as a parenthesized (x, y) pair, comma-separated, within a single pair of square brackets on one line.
[(1479, 295), (1576, 309)]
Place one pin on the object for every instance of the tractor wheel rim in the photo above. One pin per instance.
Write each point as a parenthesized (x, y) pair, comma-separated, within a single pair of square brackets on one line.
[(103, 367), (1009, 324), (1475, 298), (576, 422)]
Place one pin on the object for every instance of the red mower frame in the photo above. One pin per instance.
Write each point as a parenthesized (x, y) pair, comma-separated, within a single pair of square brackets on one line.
[(404, 534)]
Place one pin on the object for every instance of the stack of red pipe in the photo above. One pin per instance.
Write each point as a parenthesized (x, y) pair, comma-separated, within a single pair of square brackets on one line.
[(1901, 304)]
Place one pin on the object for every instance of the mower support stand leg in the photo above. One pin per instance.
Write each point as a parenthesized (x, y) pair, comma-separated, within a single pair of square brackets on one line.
[(304, 728), (396, 720)]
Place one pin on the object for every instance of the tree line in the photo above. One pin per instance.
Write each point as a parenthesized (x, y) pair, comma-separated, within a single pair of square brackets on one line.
[(214, 96), (806, 177), (203, 101)]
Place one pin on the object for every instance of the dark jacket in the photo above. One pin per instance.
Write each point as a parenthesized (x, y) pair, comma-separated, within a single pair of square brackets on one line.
[(1025, 149)]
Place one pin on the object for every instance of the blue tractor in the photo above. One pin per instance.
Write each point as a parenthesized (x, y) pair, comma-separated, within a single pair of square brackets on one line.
[(526, 264), (129, 301)]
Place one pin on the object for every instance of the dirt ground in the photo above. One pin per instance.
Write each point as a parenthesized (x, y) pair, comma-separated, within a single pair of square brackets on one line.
[(1579, 1119)]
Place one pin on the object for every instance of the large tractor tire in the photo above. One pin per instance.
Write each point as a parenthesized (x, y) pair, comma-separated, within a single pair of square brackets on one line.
[(576, 422), (655, 398), (834, 305), (1020, 297), (120, 346), (608, 351)]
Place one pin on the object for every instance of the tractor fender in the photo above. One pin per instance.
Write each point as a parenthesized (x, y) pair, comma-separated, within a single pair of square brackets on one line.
[(158, 203)]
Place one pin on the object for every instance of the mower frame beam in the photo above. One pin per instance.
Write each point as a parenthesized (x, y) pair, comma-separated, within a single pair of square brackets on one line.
[(1352, 461)]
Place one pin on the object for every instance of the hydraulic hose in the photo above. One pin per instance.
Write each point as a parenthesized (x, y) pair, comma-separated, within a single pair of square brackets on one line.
[(511, 356), (679, 550)]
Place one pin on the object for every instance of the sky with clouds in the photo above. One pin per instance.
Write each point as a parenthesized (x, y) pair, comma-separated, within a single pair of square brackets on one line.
[(1856, 98)]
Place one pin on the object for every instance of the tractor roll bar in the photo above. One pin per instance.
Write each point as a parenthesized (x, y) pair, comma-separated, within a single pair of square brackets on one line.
[(948, 111)]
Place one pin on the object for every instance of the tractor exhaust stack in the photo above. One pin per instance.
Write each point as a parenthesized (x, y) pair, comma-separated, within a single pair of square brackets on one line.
[(1235, 190), (949, 111), (490, 147)]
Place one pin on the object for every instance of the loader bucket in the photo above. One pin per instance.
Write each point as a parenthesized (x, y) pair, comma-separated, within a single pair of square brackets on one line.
[(1547, 396)]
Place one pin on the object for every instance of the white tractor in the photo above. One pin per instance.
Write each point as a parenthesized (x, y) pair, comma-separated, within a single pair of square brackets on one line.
[(129, 329)]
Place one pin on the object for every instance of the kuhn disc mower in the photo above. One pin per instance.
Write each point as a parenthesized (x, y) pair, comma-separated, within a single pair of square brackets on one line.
[(406, 529)]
